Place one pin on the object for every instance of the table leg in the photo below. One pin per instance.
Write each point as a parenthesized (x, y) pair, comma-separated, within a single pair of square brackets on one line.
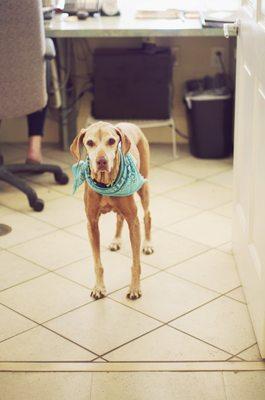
[(68, 112)]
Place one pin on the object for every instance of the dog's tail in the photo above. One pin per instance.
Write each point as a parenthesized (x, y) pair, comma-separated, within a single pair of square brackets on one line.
[(144, 151)]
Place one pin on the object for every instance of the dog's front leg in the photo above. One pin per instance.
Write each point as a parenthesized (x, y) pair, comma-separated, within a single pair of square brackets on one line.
[(134, 229), (99, 290), (129, 211)]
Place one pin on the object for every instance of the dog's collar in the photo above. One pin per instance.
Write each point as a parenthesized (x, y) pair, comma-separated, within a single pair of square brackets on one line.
[(129, 179)]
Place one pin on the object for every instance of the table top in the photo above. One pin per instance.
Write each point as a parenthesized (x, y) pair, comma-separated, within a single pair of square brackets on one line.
[(124, 26)]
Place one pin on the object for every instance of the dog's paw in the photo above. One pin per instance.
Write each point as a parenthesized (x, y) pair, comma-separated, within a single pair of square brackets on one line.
[(98, 292), (148, 248), (115, 245), (134, 294)]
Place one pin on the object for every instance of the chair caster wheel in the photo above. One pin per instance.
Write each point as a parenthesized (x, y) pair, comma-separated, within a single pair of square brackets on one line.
[(62, 178), (38, 205)]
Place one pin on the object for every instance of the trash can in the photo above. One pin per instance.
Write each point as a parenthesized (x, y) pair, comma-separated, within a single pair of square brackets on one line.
[(210, 120)]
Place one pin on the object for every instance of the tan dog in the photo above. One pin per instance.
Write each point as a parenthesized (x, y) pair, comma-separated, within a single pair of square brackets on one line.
[(101, 143)]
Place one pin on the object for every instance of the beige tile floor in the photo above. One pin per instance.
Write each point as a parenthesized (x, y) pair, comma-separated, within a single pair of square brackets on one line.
[(193, 308)]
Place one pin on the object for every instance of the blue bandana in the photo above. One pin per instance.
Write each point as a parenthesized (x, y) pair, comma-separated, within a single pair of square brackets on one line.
[(128, 182)]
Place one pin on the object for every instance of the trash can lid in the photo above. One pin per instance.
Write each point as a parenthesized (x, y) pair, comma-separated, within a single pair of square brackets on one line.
[(205, 96)]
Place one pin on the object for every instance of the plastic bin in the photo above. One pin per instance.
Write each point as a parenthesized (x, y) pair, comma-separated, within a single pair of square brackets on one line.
[(210, 119)]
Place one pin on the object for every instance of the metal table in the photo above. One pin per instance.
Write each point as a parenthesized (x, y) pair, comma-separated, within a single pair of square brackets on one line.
[(62, 27)]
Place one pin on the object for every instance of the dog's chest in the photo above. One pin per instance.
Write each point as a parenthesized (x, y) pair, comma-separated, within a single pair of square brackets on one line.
[(106, 205)]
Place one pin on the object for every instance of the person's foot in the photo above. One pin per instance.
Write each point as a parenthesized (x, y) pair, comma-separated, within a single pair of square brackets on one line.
[(34, 154)]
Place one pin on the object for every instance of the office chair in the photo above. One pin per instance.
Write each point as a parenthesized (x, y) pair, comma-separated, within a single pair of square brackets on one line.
[(24, 52)]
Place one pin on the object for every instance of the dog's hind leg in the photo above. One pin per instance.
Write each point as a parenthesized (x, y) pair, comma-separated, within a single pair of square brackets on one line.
[(144, 195), (116, 242), (144, 152)]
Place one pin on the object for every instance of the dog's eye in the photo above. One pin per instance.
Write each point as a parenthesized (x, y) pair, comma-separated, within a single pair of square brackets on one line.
[(111, 141), (90, 143)]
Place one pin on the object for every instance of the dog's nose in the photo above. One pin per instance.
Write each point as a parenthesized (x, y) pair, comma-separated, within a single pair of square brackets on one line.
[(102, 163)]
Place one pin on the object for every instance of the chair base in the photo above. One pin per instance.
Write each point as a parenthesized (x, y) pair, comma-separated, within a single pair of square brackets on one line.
[(5, 229), (7, 174)]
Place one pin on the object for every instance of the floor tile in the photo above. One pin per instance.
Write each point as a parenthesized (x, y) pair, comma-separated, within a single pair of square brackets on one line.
[(225, 210), (162, 180), (62, 212), (14, 270), (237, 294), (17, 200), (201, 194), (224, 323), (197, 168), (165, 298), (54, 250), (245, 385), (223, 179), (117, 271), (214, 270), (40, 344), (157, 385), (107, 224), (207, 228), (251, 354), (58, 154), (235, 358), (102, 325), (45, 297), (169, 249), (12, 152), (5, 211), (24, 228), (12, 323), (162, 153), (165, 211), (166, 344), (49, 181), (227, 247), (57, 161), (42, 386), (79, 229), (229, 160)]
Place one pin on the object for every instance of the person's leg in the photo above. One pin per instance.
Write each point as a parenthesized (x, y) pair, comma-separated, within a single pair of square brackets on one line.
[(35, 132)]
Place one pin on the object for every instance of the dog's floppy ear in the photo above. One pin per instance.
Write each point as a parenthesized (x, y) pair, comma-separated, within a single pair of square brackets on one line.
[(75, 147), (125, 141)]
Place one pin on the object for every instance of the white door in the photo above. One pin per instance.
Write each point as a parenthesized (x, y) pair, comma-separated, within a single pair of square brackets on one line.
[(249, 162)]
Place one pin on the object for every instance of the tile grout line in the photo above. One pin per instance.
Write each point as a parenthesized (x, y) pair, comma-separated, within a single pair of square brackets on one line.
[(33, 238), (89, 288), (228, 167), (202, 340), (128, 306), (192, 240), (45, 268), (69, 340), (160, 326), (202, 305), (40, 324), (165, 324), (26, 281), (166, 193), (168, 322), (230, 358), (247, 348)]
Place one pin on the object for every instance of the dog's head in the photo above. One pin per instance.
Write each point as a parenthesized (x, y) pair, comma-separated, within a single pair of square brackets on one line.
[(101, 140)]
